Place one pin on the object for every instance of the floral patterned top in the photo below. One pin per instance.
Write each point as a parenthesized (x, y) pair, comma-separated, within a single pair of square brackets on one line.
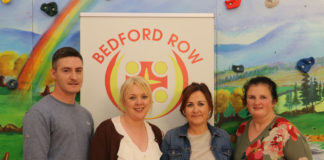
[(279, 140)]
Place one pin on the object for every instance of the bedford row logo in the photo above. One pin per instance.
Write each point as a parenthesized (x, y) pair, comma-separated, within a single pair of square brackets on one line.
[(165, 70)]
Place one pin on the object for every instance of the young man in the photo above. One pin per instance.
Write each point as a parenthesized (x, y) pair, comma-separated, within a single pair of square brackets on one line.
[(57, 127)]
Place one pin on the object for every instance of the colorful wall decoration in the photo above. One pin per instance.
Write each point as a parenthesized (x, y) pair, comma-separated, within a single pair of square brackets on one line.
[(256, 38)]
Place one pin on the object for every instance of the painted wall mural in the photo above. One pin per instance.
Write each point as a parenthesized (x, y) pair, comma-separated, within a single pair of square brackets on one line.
[(252, 39)]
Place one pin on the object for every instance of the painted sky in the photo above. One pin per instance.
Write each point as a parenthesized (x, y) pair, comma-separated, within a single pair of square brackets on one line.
[(286, 43), (23, 10), (249, 25), (253, 19)]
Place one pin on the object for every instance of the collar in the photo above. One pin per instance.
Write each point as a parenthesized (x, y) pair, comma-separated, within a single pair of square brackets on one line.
[(183, 130)]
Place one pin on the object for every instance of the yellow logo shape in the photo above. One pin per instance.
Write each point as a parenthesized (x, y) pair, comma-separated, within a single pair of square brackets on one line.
[(131, 67), (161, 96), (160, 68)]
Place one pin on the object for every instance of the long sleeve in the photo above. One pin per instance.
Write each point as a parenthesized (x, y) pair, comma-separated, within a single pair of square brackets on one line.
[(36, 136), (99, 147), (105, 142), (164, 147)]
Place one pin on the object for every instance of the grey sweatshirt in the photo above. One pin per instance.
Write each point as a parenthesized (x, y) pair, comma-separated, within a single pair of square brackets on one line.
[(56, 131)]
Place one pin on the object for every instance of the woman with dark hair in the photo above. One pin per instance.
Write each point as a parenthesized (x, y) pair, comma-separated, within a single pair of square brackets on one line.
[(197, 139), (266, 135)]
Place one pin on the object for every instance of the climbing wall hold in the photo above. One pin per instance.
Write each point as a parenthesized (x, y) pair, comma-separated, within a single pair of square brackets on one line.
[(305, 64), (271, 3), (230, 4), (12, 84), (238, 68), (49, 8), (6, 1)]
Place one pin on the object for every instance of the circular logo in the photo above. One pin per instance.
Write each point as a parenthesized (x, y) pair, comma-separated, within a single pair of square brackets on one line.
[(167, 77)]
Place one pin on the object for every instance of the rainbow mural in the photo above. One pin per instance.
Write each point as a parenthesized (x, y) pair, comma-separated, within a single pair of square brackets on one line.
[(32, 74)]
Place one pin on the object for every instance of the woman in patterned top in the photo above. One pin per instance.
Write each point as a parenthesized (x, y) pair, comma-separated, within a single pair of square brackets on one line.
[(266, 135)]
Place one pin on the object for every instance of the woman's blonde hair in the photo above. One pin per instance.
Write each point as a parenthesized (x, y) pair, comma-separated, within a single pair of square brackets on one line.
[(138, 81)]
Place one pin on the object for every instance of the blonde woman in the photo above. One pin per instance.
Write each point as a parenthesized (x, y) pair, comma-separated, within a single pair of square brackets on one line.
[(129, 137)]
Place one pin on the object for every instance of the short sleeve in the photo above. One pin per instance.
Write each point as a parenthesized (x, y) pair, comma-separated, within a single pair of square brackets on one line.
[(298, 149)]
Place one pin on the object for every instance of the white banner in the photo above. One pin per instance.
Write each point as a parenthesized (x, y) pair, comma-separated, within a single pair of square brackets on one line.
[(169, 50)]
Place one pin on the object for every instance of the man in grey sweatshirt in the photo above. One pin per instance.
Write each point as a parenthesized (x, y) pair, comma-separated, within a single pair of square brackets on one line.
[(56, 127)]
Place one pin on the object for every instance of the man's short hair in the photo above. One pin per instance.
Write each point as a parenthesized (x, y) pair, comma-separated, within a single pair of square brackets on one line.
[(64, 52)]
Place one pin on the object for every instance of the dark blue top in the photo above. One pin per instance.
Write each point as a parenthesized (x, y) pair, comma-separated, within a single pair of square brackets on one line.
[(176, 144)]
